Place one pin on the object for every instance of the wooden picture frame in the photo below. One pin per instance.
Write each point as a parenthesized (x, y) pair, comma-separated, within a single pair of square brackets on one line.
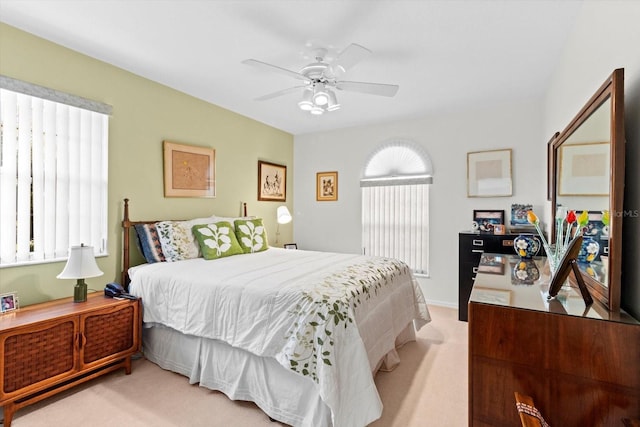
[(584, 169), (8, 302), (189, 170), (551, 167), (500, 229), (568, 263), (326, 186), (489, 173), (272, 182), (488, 219)]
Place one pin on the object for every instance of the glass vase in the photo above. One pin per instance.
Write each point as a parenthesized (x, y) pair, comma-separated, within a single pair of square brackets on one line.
[(554, 257)]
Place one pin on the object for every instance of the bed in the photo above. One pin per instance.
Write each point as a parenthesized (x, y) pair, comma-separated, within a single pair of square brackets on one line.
[(300, 333)]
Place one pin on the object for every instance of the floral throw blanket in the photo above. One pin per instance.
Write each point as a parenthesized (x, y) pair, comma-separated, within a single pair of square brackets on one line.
[(302, 308)]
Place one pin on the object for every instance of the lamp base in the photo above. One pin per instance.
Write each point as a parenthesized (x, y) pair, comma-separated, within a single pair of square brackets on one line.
[(80, 291)]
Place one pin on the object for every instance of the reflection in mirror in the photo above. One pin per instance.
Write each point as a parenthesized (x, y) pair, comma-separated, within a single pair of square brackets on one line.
[(588, 176)]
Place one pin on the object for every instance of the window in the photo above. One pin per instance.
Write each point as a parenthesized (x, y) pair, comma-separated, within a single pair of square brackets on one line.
[(395, 204), (53, 173)]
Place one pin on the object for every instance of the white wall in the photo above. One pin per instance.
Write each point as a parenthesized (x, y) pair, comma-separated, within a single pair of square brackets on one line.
[(606, 36), (335, 226)]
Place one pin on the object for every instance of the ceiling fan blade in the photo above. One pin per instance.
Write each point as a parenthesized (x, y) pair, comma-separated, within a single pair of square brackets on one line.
[(349, 57), (270, 67), (370, 88), (279, 93)]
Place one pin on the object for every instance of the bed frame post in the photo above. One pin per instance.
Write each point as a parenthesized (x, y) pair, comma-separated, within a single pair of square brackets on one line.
[(126, 225)]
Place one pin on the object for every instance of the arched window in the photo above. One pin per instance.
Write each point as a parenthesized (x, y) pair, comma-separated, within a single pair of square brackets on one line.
[(395, 203)]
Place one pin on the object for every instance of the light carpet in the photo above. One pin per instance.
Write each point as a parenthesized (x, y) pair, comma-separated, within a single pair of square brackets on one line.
[(428, 388)]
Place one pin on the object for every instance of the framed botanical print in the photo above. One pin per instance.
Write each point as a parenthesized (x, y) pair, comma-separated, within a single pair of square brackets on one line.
[(327, 186), (189, 171), (272, 182)]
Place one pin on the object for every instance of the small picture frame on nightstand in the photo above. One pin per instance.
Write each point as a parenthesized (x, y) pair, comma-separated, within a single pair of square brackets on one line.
[(291, 246), (8, 302), (499, 229)]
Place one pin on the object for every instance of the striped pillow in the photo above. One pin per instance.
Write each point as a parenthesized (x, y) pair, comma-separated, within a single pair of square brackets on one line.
[(150, 242)]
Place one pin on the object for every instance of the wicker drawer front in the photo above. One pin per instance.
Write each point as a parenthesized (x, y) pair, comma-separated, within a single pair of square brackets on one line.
[(108, 334), (36, 356)]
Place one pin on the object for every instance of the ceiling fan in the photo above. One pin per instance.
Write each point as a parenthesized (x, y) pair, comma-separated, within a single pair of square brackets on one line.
[(322, 77)]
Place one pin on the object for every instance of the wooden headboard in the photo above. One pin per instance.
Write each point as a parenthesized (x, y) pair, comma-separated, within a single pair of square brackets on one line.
[(126, 248)]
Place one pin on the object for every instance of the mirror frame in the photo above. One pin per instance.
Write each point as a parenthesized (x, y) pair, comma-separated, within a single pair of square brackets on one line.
[(612, 88)]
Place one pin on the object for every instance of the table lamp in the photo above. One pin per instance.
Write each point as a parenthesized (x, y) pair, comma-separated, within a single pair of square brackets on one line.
[(80, 265), (283, 217)]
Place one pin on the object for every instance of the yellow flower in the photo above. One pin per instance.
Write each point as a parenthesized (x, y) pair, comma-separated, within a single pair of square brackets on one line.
[(532, 218), (583, 219), (605, 217)]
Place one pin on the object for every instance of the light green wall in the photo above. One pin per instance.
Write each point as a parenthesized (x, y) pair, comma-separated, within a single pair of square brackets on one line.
[(144, 114)]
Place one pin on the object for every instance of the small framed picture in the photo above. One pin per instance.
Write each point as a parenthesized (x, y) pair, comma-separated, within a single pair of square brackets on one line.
[(519, 214), (8, 302), (327, 186), (488, 219), (499, 229), (291, 246)]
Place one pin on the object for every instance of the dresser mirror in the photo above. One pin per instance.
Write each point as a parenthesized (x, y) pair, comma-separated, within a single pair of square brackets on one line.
[(588, 173)]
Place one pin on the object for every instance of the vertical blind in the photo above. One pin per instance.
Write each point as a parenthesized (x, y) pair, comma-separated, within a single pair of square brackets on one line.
[(53, 178), (395, 223)]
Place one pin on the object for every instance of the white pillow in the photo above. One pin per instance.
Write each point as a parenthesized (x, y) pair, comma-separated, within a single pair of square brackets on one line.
[(177, 239)]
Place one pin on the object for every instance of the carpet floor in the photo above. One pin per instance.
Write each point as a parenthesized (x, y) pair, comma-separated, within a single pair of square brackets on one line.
[(428, 388)]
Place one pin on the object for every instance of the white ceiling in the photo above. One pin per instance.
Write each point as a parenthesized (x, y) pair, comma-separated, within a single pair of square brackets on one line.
[(444, 55)]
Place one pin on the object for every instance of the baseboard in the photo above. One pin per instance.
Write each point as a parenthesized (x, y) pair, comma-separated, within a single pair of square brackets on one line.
[(442, 303)]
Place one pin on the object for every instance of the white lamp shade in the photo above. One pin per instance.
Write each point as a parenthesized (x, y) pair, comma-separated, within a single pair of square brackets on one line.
[(320, 95), (81, 264), (283, 215)]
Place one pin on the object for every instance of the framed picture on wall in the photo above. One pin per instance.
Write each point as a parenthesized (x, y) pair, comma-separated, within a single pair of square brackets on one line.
[(489, 173), (327, 186), (272, 182), (189, 171)]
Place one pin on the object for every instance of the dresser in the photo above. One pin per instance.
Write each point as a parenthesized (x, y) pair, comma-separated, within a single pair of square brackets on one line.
[(47, 348), (470, 247), (581, 365)]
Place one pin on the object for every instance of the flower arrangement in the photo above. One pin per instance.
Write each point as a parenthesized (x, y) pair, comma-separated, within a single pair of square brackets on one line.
[(574, 227)]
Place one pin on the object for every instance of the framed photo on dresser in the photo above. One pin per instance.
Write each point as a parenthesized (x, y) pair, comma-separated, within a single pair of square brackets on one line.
[(8, 302), (488, 219)]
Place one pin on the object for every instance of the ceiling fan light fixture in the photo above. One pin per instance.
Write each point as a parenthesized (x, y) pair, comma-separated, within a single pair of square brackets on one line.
[(316, 111), (333, 104), (320, 96), (307, 102), (305, 105)]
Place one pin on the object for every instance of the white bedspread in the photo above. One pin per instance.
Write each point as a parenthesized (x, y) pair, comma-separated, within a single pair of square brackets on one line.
[(301, 308)]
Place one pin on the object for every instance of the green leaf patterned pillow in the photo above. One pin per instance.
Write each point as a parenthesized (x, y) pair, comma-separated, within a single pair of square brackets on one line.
[(251, 235), (217, 240)]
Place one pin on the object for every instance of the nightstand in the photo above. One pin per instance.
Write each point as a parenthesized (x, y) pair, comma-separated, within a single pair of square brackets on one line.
[(50, 347)]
